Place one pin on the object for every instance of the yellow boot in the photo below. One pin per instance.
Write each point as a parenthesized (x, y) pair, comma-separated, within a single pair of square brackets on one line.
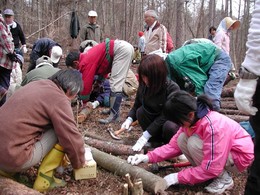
[(45, 179)]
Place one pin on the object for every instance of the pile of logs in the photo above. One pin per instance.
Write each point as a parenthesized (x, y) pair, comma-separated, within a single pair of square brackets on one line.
[(228, 106)]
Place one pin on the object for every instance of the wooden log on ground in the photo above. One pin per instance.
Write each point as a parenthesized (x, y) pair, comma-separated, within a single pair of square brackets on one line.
[(230, 112), (228, 92), (109, 147), (151, 183), (9, 186), (223, 99), (95, 136), (229, 105), (238, 118)]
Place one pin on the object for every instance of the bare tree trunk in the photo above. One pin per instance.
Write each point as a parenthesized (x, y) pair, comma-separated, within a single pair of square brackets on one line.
[(201, 15), (179, 26)]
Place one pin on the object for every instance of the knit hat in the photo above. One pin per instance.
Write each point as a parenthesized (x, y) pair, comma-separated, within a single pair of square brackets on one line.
[(20, 58), (140, 33), (9, 12), (43, 61), (56, 53)]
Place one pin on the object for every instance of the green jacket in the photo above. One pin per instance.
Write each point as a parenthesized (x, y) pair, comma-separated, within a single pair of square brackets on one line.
[(193, 61)]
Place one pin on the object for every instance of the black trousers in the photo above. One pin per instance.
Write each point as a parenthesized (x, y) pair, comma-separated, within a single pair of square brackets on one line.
[(253, 180), (165, 131)]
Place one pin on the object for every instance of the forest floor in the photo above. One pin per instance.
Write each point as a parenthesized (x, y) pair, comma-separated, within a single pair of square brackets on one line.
[(108, 183)]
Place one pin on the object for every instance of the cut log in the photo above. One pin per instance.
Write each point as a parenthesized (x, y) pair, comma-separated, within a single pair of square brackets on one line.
[(223, 99), (231, 112), (228, 105), (228, 92), (94, 136), (151, 183), (238, 118), (125, 189), (9, 186), (109, 147)]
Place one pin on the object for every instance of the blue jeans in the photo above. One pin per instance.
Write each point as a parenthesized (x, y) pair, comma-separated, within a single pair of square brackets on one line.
[(4, 82), (217, 76)]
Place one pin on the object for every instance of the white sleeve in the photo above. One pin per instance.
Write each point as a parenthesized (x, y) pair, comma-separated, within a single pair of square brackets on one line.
[(252, 59)]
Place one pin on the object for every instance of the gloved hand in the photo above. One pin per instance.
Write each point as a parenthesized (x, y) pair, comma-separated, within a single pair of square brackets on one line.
[(127, 123), (95, 104), (24, 49), (171, 179), (243, 95), (12, 57), (142, 141), (137, 159), (88, 154)]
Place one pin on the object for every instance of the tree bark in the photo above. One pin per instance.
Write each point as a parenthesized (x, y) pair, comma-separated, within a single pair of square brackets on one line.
[(9, 186), (230, 112), (109, 147), (229, 105), (228, 92), (238, 118), (151, 183)]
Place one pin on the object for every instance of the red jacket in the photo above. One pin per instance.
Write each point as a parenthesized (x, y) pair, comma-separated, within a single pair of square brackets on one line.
[(97, 61)]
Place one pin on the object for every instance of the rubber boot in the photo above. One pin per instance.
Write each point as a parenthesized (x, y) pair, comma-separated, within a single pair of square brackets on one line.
[(115, 102), (45, 179)]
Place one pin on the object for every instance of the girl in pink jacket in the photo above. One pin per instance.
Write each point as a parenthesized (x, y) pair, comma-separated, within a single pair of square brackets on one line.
[(213, 143)]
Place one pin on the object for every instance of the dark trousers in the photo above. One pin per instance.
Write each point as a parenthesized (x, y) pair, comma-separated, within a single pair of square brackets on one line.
[(164, 132), (253, 180), (4, 82)]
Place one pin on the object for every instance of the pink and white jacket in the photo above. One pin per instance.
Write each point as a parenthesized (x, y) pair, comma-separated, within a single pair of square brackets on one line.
[(221, 136), (222, 37)]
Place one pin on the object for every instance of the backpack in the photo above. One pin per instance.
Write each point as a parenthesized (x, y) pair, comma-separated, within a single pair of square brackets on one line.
[(169, 46)]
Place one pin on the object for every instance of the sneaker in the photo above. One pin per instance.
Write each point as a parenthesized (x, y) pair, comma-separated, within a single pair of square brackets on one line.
[(222, 183)]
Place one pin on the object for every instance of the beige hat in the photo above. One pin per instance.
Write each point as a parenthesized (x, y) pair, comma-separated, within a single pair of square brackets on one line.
[(230, 22), (56, 53)]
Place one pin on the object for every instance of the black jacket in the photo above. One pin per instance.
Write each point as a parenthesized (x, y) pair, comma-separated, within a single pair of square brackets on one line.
[(41, 47), (153, 105), (18, 35)]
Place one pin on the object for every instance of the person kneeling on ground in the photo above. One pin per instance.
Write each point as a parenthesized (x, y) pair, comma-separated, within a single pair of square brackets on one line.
[(37, 123), (150, 98), (213, 143)]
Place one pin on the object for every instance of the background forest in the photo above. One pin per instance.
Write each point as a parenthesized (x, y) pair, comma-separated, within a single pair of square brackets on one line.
[(123, 19)]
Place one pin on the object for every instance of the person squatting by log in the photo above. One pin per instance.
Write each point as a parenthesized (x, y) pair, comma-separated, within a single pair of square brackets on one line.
[(37, 123), (47, 47), (113, 56), (203, 138), (150, 98), (247, 95), (200, 67)]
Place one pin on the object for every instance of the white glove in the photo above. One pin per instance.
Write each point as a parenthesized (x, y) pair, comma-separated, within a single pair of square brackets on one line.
[(127, 123), (24, 49), (88, 154), (171, 179), (142, 141), (243, 95), (137, 159), (95, 104)]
